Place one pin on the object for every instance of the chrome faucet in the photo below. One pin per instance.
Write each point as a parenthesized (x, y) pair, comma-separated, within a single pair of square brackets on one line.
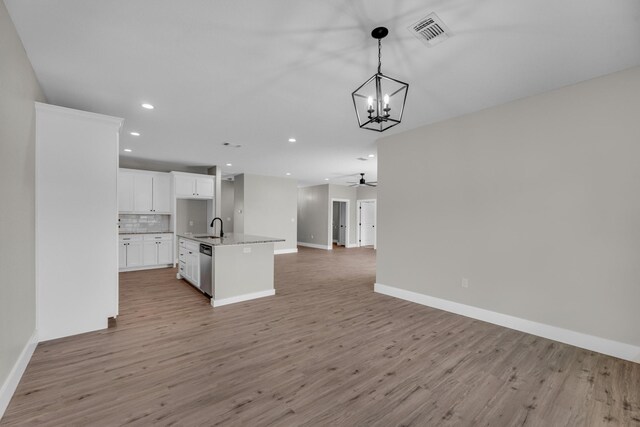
[(214, 220)]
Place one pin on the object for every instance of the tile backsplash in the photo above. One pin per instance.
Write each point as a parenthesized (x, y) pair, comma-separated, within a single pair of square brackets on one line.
[(143, 223)]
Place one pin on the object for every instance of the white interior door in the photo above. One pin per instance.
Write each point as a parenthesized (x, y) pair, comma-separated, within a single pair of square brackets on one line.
[(342, 223), (367, 223), (335, 222)]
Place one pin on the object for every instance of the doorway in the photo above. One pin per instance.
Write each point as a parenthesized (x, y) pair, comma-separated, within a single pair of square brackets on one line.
[(339, 229), (367, 223)]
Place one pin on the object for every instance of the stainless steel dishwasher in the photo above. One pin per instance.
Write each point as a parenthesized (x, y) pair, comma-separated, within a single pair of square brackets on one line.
[(206, 269)]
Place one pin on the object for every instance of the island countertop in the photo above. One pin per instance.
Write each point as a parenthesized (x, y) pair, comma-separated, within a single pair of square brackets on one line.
[(230, 239)]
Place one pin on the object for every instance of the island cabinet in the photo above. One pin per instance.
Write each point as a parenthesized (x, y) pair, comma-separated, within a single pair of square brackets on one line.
[(189, 261), (193, 186), (142, 251), (144, 192), (240, 267)]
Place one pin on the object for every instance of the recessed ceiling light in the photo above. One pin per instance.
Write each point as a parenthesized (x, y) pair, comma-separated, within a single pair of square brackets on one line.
[(135, 133), (292, 140), (229, 164), (326, 179), (147, 106), (128, 150), (372, 155), (288, 173)]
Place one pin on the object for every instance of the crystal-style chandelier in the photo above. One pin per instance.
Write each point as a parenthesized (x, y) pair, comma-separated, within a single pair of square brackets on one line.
[(379, 102)]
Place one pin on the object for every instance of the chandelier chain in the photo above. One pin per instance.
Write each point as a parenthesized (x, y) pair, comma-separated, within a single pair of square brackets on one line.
[(379, 56)]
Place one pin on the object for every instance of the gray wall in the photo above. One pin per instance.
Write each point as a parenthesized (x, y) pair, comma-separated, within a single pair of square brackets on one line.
[(269, 208), (314, 210), (313, 215), (367, 193), (536, 202), (348, 193), (18, 91), (228, 189), (191, 210)]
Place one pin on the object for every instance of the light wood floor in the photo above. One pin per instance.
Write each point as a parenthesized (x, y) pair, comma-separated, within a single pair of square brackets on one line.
[(324, 351)]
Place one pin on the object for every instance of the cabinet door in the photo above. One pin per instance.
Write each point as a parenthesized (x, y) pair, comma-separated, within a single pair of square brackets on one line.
[(125, 191), (162, 193), (185, 186), (195, 277), (164, 251), (134, 254), (150, 253), (204, 187), (122, 255), (143, 193)]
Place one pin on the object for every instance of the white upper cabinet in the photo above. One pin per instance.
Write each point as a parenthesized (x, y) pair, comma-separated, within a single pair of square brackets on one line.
[(193, 186), (204, 187), (144, 192), (185, 186), (125, 192), (162, 193)]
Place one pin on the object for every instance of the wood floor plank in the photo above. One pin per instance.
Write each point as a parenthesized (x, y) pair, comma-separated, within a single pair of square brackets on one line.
[(326, 350)]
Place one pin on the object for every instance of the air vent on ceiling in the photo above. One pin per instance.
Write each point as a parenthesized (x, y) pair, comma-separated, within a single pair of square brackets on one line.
[(362, 159), (430, 29)]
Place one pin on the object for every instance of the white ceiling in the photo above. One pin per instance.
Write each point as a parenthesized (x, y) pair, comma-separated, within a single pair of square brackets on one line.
[(256, 73)]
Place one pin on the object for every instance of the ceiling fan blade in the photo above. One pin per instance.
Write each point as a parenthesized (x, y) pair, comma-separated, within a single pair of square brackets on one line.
[(370, 185), (372, 182), (354, 185)]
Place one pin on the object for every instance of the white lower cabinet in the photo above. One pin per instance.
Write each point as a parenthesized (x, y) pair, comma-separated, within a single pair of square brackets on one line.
[(189, 260), (147, 250), (165, 252)]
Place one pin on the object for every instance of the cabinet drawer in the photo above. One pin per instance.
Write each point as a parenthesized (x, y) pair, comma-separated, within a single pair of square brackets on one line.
[(159, 236), (129, 237), (193, 247)]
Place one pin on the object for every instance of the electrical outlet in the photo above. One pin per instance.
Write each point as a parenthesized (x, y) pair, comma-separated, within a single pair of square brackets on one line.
[(190, 223), (246, 250), (312, 236), (465, 282)]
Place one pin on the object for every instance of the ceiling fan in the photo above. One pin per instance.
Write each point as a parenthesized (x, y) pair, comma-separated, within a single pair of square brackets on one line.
[(362, 182)]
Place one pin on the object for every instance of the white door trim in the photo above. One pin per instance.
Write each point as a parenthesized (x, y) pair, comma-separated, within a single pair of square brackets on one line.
[(330, 228), (375, 235)]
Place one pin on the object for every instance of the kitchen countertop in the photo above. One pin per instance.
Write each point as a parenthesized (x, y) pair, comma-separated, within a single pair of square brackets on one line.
[(230, 239)]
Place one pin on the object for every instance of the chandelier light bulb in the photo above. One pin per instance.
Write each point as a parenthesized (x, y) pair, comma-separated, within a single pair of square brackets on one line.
[(386, 100), (370, 101)]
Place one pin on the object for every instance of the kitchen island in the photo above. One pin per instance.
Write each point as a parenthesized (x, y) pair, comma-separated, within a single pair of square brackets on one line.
[(230, 269)]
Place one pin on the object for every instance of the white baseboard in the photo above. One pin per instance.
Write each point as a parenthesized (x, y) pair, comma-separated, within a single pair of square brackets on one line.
[(148, 267), (351, 246), (578, 339), (240, 298), (285, 251), (313, 245), (11, 383)]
